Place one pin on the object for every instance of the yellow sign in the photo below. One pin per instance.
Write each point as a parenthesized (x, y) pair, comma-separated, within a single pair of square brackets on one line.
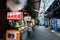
[(13, 35)]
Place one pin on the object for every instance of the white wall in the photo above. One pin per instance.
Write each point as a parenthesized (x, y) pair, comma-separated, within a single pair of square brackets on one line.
[(58, 22)]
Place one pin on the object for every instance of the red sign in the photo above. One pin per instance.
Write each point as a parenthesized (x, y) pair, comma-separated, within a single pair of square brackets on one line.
[(14, 15)]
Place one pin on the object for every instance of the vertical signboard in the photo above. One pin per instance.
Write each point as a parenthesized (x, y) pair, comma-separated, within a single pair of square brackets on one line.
[(55, 24), (13, 35)]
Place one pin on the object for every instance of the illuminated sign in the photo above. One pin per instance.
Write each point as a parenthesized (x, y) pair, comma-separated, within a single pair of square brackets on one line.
[(27, 18), (14, 15), (13, 35), (55, 24)]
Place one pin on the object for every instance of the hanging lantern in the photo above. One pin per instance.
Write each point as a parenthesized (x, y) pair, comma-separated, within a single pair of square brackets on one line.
[(16, 5)]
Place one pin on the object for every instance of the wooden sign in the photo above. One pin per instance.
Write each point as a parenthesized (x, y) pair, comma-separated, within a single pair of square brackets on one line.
[(13, 35)]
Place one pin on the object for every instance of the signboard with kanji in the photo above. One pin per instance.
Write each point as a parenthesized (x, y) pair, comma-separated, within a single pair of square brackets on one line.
[(13, 35), (55, 24), (14, 15)]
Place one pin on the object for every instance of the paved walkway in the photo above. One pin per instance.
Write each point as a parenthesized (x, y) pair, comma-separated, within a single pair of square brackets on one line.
[(41, 33)]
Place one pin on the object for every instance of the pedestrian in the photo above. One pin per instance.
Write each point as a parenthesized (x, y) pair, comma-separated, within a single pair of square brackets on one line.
[(37, 22), (29, 30)]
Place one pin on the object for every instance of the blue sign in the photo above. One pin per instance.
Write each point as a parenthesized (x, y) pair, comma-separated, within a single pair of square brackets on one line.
[(55, 24)]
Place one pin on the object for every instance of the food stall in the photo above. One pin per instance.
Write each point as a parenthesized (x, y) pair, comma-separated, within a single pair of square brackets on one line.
[(17, 22)]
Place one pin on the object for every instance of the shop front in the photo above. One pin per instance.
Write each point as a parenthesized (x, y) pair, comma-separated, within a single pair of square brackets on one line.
[(19, 26)]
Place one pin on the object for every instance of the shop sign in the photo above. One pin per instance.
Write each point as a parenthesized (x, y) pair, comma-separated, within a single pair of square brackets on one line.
[(27, 18), (12, 35), (14, 15), (55, 24)]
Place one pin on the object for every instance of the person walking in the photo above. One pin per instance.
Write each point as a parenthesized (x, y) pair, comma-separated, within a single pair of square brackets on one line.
[(29, 30)]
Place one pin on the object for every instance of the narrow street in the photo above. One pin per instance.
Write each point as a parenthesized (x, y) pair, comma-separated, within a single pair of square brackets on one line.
[(41, 33), (30, 20)]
